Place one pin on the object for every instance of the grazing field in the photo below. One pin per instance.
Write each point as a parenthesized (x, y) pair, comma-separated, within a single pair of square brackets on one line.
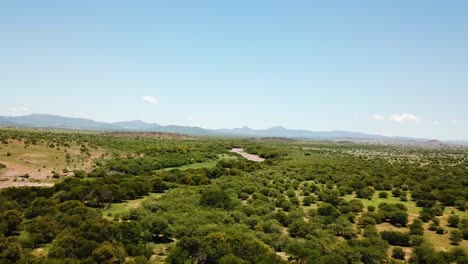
[(36, 164), (153, 198)]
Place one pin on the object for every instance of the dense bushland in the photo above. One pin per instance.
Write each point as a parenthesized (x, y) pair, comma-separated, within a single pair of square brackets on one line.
[(309, 202)]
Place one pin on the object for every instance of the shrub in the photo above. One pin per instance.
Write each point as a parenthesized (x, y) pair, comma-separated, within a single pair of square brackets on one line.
[(383, 195), (396, 238), (453, 220), (365, 193), (416, 227), (440, 230), (216, 199), (396, 192), (416, 240), (398, 218), (398, 253), (366, 220), (308, 200), (456, 237)]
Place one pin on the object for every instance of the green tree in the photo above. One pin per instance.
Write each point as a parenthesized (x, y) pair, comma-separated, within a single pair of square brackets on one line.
[(40, 206), (109, 253), (396, 238), (383, 195), (216, 198), (332, 258), (12, 253), (231, 259), (158, 227), (12, 220), (365, 193), (308, 200), (456, 237), (398, 253), (398, 218), (453, 220), (416, 228)]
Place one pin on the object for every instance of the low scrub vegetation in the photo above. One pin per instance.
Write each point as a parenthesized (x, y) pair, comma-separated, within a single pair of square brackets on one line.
[(151, 199)]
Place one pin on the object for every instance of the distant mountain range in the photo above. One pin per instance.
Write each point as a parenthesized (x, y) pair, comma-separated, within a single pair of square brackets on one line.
[(54, 121)]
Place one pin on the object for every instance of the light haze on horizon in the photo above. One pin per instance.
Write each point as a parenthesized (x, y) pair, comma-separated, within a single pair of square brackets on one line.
[(395, 68)]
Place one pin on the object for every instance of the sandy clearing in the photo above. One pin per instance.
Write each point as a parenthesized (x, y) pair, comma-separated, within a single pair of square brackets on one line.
[(11, 177), (246, 155), (34, 155), (6, 184), (16, 170), (39, 162)]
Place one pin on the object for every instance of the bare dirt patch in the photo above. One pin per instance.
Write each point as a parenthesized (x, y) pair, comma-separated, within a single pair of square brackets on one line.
[(34, 165), (246, 155), (7, 184)]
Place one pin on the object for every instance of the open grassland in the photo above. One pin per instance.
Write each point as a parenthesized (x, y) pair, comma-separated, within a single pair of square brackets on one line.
[(42, 164), (441, 242)]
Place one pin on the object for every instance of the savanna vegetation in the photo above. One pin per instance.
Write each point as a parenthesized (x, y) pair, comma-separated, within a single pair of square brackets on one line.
[(154, 198)]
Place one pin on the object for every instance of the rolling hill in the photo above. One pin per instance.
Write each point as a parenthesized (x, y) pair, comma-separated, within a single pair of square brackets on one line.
[(55, 121)]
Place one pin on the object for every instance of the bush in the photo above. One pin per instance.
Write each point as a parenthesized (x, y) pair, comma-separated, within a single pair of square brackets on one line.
[(366, 220), (335, 259), (416, 240), (425, 216), (357, 205), (398, 253), (383, 195), (370, 231), (396, 192), (308, 200), (453, 220), (216, 199), (456, 237), (432, 227), (243, 196), (365, 193), (398, 218), (396, 238), (80, 174), (416, 228), (440, 230), (465, 233)]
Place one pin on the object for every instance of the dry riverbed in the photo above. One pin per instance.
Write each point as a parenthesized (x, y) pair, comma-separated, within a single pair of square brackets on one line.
[(246, 155)]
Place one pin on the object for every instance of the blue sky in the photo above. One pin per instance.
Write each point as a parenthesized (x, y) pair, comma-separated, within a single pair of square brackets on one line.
[(383, 67)]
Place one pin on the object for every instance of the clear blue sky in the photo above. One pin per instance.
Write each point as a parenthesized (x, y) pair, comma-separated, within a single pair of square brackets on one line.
[(384, 67)]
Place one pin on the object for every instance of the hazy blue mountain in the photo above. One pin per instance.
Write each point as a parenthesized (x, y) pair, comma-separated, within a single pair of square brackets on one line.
[(5, 121), (240, 131), (135, 125), (457, 142), (280, 131), (187, 130), (54, 121)]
